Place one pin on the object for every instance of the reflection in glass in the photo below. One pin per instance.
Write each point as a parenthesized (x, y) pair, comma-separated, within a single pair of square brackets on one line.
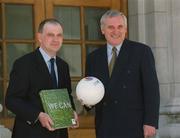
[(1, 91), (0, 22), (92, 23), (15, 51), (79, 107), (72, 55), (91, 48), (1, 61), (19, 21), (1, 94), (70, 19)]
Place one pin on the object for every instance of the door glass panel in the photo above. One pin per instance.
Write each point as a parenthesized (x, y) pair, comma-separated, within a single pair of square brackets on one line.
[(72, 55), (70, 19), (19, 21), (92, 23), (0, 22), (15, 51)]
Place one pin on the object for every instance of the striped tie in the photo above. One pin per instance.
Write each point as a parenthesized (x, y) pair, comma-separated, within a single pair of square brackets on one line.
[(113, 60)]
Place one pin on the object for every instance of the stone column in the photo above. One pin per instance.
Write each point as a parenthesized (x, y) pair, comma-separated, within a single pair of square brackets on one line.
[(171, 111), (157, 23)]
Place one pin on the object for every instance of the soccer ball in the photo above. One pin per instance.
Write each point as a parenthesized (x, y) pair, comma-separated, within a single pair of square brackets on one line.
[(90, 90)]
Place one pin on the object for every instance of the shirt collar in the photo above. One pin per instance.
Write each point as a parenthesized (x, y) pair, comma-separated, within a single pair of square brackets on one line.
[(109, 48), (45, 55)]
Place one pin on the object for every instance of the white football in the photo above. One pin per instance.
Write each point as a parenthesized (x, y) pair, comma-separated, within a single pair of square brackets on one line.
[(90, 90)]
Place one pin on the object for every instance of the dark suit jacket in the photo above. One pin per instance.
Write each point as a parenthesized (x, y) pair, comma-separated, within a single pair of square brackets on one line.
[(28, 76), (131, 94)]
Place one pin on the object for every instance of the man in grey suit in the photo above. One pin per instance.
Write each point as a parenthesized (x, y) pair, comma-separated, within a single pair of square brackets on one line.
[(32, 73), (130, 107)]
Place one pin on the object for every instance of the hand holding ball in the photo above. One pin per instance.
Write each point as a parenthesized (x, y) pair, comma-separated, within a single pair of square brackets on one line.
[(90, 90)]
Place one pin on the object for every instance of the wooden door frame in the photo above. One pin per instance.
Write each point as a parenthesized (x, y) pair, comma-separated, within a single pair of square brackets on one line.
[(44, 9), (121, 5)]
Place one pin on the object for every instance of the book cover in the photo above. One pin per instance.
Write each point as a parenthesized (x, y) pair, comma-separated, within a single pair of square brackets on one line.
[(57, 105)]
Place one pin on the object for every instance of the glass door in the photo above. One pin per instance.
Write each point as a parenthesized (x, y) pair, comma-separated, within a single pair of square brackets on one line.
[(18, 22)]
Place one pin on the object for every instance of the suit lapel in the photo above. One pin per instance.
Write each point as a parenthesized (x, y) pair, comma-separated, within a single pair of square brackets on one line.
[(122, 59), (42, 68), (60, 72), (104, 65)]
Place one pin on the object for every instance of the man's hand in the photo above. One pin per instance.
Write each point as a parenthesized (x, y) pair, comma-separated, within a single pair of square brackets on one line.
[(82, 103), (77, 120), (149, 131), (46, 121)]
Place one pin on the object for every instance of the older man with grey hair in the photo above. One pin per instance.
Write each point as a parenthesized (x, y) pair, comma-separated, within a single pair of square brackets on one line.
[(130, 107)]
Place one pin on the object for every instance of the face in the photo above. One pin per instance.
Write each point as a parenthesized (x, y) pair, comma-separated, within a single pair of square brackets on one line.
[(114, 30), (51, 38)]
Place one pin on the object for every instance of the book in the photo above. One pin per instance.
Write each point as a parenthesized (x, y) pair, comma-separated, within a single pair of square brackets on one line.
[(57, 105)]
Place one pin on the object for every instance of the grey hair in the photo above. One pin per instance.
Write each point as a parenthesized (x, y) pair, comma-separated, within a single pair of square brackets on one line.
[(110, 14)]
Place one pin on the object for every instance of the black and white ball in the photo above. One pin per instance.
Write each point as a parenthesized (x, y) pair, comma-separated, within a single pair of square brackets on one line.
[(90, 90)]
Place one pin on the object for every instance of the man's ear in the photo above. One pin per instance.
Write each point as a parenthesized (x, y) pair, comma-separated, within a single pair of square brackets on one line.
[(38, 37), (102, 31)]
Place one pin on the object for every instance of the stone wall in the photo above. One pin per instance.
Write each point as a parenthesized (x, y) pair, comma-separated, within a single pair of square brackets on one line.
[(157, 24)]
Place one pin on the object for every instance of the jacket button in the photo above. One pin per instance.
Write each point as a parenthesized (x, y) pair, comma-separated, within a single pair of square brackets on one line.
[(124, 86), (28, 122), (128, 71)]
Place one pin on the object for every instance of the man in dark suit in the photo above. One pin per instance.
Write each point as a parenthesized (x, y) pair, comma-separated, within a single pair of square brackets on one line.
[(130, 107), (30, 74)]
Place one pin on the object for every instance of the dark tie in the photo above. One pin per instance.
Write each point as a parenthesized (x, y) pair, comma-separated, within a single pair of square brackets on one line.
[(53, 74), (113, 60)]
